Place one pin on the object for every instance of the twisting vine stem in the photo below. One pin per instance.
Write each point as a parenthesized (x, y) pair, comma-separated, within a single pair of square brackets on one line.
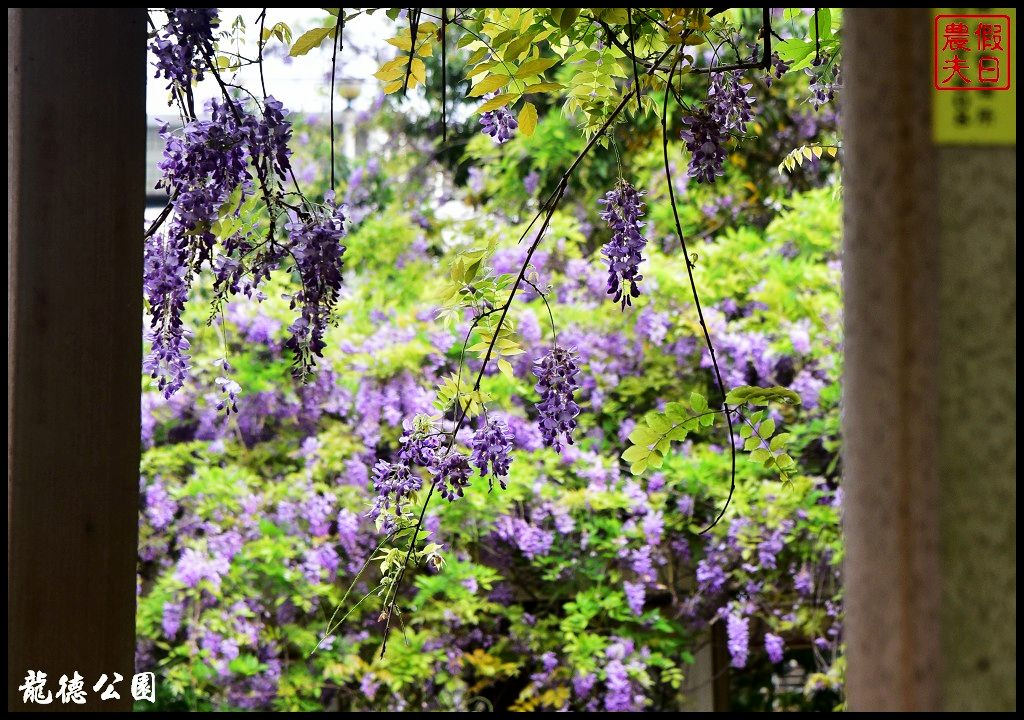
[(339, 26), (696, 296), (632, 56), (414, 28), (444, 75)]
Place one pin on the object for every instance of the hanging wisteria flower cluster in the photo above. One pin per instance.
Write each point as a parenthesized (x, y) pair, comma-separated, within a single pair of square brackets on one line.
[(176, 46), (394, 484), (705, 139), (779, 67), (729, 102), (201, 168), (208, 171), (318, 253), (728, 108), (623, 209), (491, 447), (166, 289), (824, 80), (451, 475), (422, 447), (556, 384), (500, 124)]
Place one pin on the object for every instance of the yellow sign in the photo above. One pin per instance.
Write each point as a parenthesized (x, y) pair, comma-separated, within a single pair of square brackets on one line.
[(974, 76)]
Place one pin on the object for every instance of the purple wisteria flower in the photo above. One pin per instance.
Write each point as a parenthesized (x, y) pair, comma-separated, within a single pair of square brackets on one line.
[(160, 506), (531, 182), (176, 44), (711, 577), (531, 540), (269, 139), (737, 630), (451, 475), (619, 696), (635, 596), (320, 562), (729, 102), (166, 288), (195, 566), (393, 483), (621, 693), (705, 140), (229, 389), (556, 383), (419, 445), (319, 259), (803, 582), (583, 684), (779, 67), (774, 645), (623, 209), (500, 124), (768, 549), (369, 685), (491, 447), (823, 82), (203, 165), (171, 617)]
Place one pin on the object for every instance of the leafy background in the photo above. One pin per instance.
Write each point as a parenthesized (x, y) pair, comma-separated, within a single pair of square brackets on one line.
[(580, 586)]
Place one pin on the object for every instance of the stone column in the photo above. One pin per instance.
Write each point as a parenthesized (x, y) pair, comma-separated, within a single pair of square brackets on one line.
[(929, 388)]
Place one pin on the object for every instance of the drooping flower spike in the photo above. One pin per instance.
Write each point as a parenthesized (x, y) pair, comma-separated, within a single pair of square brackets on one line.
[(623, 209)]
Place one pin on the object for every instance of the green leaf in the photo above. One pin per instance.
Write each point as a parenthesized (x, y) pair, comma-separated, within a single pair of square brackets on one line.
[(542, 87), (767, 428), (660, 423), (677, 434), (643, 435), (698, 402), (528, 119), (309, 40), (506, 368), (612, 16), (489, 84), (568, 17), (824, 24), (535, 67), (517, 47), (676, 412), (497, 101), (761, 396), (794, 49), (245, 665), (635, 453)]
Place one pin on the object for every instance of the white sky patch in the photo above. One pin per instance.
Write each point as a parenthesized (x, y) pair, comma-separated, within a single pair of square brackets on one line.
[(301, 83)]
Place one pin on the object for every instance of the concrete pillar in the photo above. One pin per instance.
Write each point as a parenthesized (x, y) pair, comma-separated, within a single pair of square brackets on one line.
[(978, 426), (929, 388), (75, 173)]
